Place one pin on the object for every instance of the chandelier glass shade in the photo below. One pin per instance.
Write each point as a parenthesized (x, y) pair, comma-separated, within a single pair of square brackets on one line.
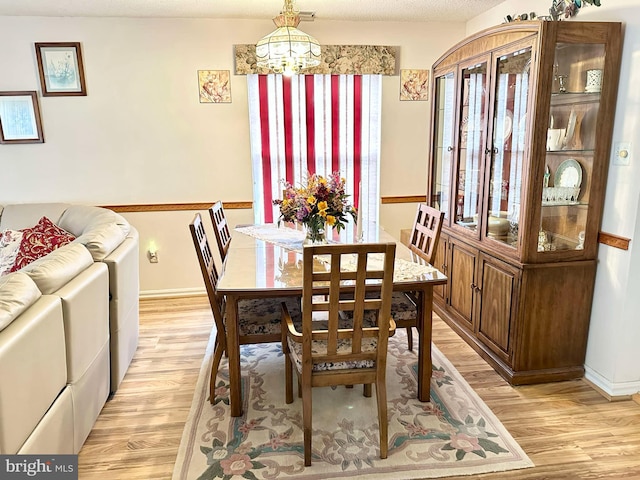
[(287, 50)]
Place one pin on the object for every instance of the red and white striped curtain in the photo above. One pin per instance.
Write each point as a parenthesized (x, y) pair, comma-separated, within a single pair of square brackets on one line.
[(308, 124)]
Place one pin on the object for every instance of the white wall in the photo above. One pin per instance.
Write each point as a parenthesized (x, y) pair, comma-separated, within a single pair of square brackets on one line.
[(614, 334), (141, 136)]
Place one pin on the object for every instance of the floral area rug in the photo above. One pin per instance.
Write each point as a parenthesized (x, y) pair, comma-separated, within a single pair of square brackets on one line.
[(454, 434)]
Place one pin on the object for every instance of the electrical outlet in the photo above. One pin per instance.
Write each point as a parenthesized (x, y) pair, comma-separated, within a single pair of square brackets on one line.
[(153, 256), (622, 153)]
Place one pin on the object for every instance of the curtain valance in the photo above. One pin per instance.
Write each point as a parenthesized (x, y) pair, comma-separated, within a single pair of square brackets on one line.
[(336, 60)]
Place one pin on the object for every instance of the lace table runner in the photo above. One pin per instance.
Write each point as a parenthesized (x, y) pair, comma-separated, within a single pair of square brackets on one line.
[(284, 237), (292, 239)]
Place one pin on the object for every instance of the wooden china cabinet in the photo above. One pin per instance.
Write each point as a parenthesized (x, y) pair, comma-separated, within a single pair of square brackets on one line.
[(521, 138)]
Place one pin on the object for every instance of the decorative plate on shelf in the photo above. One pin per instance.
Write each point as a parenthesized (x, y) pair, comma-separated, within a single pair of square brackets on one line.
[(571, 126), (568, 174), (508, 124)]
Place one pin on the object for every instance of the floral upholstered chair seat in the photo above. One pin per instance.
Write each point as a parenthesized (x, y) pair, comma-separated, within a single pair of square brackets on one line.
[(402, 308), (344, 346), (260, 316)]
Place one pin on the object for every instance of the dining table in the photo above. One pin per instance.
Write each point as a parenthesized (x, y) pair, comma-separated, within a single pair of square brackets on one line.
[(266, 261)]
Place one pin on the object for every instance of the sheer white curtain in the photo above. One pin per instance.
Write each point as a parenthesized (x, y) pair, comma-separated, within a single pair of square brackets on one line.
[(308, 124)]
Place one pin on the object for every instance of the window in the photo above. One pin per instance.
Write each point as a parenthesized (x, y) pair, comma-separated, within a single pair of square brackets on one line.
[(314, 124)]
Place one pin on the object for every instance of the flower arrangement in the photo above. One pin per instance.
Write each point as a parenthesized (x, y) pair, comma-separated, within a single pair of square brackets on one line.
[(321, 202)]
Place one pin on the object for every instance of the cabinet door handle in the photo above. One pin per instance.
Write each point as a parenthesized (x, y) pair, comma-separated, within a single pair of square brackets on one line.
[(449, 149), (473, 286), (487, 151), (443, 268)]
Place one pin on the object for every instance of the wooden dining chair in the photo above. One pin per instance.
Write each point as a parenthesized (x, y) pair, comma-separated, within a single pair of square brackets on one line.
[(406, 306), (426, 231), (259, 319), (220, 228), (330, 352)]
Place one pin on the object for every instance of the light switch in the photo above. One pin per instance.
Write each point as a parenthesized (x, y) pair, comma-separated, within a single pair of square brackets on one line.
[(622, 153)]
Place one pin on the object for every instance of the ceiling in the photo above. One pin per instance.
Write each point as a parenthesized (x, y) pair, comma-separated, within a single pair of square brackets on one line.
[(358, 10)]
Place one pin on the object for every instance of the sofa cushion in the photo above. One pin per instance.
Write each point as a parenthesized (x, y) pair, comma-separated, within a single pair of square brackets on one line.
[(23, 215), (33, 370), (9, 247), (17, 293), (103, 240), (40, 240), (53, 271), (98, 229)]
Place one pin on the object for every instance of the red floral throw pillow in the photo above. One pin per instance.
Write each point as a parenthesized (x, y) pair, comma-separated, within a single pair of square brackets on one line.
[(40, 240)]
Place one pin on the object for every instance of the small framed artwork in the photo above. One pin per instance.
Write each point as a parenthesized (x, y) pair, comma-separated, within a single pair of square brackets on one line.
[(214, 86), (20, 118), (61, 69), (414, 85)]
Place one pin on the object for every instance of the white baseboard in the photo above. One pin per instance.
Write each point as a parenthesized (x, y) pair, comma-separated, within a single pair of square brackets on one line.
[(611, 390), (173, 292)]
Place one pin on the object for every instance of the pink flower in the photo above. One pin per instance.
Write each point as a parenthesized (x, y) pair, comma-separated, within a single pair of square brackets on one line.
[(247, 427), (236, 464), (433, 409), (221, 391), (276, 442), (464, 442), (416, 430)]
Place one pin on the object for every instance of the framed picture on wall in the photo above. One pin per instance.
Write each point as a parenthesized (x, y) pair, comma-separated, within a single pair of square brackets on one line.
[(61, 69), (20, 118), (414, 85), (214, 86)]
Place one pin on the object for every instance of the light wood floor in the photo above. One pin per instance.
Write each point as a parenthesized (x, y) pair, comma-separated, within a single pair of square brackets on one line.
[(568, 430)]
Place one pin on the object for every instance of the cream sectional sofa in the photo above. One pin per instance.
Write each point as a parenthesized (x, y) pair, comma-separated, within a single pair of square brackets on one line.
[(68, 328)]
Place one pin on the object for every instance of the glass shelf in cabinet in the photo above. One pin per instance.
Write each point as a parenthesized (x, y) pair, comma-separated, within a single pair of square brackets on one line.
[(565, 204), (558, 99), (571, 152)]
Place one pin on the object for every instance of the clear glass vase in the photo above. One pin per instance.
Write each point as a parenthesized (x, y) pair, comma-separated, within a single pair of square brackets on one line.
[(315, 233)]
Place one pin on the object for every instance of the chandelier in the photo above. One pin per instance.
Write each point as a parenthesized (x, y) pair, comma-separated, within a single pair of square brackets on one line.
[(287, 50)]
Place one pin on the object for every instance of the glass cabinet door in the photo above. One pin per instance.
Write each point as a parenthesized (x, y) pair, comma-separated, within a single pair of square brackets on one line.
[(444, 119), (472, 132), (507, 150), (571, 141)]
